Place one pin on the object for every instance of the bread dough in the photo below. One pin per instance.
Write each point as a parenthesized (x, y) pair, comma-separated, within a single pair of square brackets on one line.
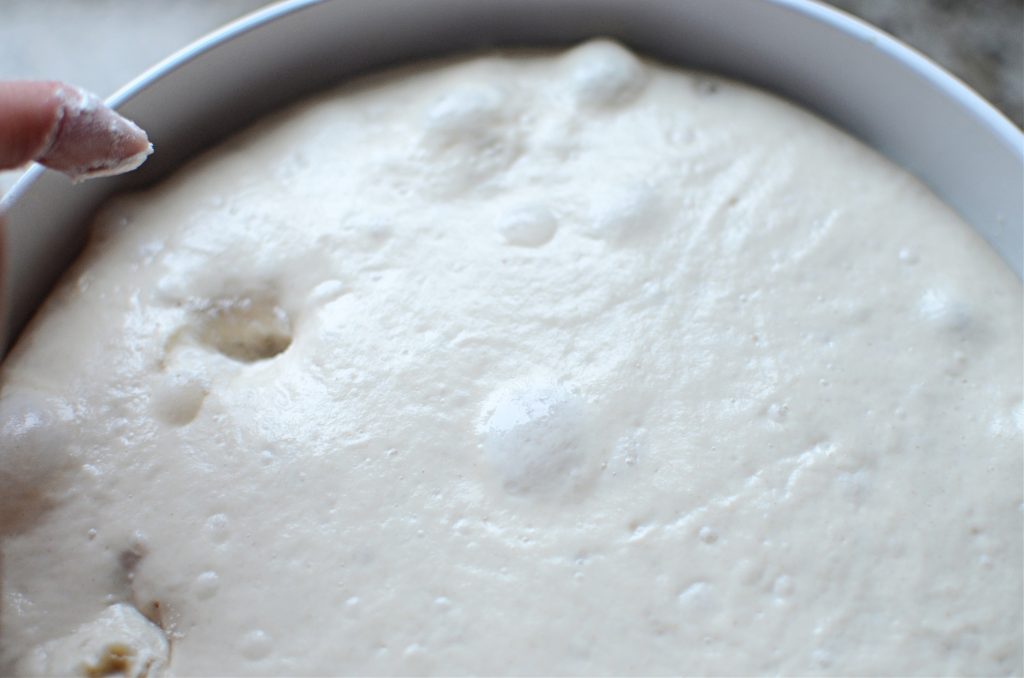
[(538, 363)]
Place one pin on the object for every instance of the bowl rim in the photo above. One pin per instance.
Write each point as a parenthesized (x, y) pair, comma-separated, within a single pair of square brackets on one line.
[(980, 109), (973, 119)]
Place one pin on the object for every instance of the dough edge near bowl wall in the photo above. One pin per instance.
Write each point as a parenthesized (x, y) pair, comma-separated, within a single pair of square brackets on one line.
[(918, 115)]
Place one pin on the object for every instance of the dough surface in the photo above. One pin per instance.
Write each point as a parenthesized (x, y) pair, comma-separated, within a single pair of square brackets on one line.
[(537, 363)]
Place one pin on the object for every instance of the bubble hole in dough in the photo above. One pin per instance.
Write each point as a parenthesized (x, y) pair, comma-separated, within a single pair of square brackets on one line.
[(532, 363)]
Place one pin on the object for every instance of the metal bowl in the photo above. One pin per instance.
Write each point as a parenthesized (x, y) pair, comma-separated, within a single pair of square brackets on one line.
[(862, 80)]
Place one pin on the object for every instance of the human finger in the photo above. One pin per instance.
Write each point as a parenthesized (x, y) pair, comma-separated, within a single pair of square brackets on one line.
[(66, 129)]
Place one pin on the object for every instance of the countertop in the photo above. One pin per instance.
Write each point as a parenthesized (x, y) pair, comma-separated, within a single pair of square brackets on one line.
[(102, 44)]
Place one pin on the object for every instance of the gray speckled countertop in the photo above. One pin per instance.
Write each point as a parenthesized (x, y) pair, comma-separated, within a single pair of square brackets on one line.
[(979, 41), (102, 44)]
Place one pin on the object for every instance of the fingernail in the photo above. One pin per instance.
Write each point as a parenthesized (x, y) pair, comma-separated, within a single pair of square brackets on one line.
[(91, 140)]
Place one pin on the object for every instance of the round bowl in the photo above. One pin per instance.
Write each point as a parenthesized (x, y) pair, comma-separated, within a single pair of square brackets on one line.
[(857, 77)]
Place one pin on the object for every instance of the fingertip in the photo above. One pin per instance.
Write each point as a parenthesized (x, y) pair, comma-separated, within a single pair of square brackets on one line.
[(93, 140)]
